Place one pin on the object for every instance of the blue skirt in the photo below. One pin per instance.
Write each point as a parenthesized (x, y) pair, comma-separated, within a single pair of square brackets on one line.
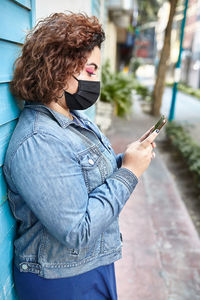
[(97, 284)]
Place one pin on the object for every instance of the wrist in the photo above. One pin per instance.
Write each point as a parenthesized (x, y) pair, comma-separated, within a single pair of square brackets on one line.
[(132, 170)]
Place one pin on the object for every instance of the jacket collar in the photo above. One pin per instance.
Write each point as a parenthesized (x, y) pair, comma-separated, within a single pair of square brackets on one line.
[(62, 120)]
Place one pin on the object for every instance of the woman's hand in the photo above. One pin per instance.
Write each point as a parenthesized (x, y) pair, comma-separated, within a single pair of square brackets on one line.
[(138, 155)]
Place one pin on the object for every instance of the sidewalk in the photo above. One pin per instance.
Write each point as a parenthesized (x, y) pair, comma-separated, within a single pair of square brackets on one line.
[(161, 253)]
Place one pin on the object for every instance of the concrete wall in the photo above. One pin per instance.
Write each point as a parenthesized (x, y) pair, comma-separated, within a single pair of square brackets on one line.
[(110, 47)]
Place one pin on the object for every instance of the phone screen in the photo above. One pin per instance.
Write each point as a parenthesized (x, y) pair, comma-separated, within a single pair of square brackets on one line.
[(160, 123)]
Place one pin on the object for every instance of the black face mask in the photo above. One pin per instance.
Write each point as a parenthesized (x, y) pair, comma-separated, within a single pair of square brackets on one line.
[(86, 95)]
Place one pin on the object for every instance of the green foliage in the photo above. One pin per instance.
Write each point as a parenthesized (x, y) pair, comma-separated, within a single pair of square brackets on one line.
[(187, 89), (148, 10), (117, 88), (186, 146), (143, 91), (130, 28)]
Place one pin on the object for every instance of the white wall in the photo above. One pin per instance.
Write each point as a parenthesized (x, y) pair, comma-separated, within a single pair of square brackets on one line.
[(45, 7), (110, 46)]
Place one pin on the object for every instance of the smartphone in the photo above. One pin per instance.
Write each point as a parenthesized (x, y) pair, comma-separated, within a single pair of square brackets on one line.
[(160, 123)]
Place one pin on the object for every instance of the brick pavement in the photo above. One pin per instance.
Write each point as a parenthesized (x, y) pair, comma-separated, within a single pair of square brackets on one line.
[(161, 253)]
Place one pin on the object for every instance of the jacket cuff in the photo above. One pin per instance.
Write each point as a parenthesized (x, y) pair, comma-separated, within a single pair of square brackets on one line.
[(127, 177), (119, 158)]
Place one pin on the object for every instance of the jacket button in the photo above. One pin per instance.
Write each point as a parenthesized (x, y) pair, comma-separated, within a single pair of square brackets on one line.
[(109, 146), (91, 162), (24, 267)]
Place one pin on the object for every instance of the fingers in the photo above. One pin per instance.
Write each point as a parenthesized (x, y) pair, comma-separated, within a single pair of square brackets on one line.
[(150, 139), (133, 144), (138, 142), (146, 134)]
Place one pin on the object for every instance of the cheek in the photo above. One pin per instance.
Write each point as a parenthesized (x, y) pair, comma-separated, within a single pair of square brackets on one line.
[(94, 77), (71, 86)]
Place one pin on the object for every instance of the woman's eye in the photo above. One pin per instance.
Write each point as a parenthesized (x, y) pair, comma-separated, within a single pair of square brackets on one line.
[(90, 71)]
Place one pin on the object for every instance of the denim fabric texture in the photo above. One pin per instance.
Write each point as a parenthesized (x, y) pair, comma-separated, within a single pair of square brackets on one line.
[(66, 189)]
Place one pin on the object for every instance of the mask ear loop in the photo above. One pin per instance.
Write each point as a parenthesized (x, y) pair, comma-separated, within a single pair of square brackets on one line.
[(61, 95), (75, 77), (64, 90)]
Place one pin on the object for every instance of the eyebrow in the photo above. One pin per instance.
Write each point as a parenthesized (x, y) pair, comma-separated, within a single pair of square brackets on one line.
[(93, 64)]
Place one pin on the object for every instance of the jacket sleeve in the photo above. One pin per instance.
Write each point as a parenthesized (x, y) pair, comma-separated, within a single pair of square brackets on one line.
[(51, 183)]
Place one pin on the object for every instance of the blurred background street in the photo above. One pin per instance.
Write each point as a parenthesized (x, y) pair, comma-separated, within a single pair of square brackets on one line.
[(161, 221), (161, 245)]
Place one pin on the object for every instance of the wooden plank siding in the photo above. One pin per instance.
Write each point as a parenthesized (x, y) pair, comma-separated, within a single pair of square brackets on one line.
[(96, 7), (95, 10), (16, 19)]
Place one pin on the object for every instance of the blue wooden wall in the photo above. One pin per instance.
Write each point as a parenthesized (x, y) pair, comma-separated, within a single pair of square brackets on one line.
[(16, 18), (95, 9)]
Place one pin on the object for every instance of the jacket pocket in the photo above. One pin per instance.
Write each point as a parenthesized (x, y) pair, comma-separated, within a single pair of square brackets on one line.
[(95, 167), (58, 254)]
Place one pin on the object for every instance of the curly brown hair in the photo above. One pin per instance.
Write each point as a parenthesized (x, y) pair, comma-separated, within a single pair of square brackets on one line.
[(53, 51)]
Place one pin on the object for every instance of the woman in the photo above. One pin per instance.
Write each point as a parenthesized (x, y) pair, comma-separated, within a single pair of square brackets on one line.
[(66, 186)]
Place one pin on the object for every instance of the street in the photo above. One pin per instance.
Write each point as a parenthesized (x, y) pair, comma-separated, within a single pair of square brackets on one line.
[(187, 107), (161, 245)]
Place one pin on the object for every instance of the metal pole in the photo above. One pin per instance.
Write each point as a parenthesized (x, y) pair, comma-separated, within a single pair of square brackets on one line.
[(177, 74)]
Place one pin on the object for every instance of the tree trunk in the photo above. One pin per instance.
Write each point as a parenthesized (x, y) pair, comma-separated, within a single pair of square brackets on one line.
[(162, 68)]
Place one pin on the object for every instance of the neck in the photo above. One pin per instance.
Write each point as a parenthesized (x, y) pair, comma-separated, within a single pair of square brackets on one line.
[(60, 107)]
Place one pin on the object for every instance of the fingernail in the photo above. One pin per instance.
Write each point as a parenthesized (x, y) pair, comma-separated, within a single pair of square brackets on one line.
[(157, 130)]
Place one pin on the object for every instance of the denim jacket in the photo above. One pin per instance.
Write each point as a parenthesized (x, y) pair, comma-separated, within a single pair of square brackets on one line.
[(66, 190)]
